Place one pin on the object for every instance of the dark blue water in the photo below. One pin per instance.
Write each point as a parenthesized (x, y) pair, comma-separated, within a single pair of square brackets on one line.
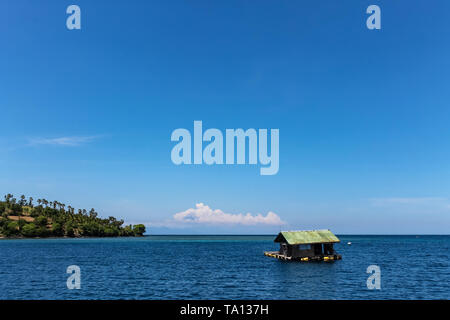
[(214, 267)]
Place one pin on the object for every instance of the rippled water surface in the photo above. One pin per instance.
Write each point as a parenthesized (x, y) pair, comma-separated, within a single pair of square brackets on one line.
[(221, 267)]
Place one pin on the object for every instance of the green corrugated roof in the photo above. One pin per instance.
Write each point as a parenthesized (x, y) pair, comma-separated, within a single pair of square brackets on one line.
[(305, 237)]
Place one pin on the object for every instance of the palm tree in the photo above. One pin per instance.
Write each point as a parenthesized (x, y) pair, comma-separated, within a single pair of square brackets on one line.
[(8, 197), (92, 213), (22, 200)]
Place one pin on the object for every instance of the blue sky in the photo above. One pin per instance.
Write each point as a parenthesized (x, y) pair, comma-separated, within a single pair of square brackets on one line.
[(86, 115)]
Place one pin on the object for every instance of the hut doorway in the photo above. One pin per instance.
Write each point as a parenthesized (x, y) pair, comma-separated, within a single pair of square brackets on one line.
[(317, 249), (328, 248), (283, 249)]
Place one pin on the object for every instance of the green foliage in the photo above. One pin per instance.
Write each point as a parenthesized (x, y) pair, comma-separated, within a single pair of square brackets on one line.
[(41, 221), (2, 207), (11, 228), (70, 230), (29, 230), (57, 229), (16, 209), (21, 223), (139, 229), (51, 218), (42, 232), (127, 231)]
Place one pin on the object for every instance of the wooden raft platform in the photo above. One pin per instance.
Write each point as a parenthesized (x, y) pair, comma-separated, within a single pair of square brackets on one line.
[(277, 255)]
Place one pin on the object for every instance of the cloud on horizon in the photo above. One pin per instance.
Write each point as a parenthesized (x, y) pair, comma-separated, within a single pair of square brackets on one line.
[(203, 214), (419, 206), (73, 141), (409, 201)]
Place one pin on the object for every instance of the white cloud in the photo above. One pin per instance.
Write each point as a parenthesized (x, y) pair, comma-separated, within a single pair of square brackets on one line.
[(203, 214), (63, 141)]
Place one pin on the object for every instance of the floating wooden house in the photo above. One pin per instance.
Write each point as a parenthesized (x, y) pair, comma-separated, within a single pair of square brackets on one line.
[(315, 245)]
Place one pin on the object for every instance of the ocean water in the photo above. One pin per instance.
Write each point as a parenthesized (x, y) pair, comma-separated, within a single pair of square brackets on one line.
[(222, 267)]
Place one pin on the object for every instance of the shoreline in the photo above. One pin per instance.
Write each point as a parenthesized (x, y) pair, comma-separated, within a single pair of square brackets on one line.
[(82, 237), (220, 235)]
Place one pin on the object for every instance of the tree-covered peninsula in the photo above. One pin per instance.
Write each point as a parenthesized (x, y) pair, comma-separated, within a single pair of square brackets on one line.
[(23, 218)]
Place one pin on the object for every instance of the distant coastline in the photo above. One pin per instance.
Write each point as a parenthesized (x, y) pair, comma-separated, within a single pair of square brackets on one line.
[(21, 219)]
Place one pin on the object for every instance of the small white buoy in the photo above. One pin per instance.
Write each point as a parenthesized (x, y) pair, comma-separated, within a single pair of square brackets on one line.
[(349, 243)]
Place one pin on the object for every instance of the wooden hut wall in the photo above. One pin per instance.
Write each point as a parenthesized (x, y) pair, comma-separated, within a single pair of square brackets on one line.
[(285, 249), (302, 250)]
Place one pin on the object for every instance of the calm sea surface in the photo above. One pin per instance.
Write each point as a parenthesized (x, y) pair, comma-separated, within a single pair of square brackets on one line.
[(222, 267)]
